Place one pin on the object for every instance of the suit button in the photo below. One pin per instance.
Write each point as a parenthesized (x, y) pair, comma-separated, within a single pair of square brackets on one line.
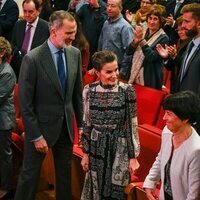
[(62, 117)]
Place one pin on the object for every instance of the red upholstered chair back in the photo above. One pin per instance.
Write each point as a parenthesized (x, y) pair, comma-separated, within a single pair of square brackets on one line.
[(160, 122), (149, 102), (150, 145), (89, 78), (75, 131), (17, 141), (77, 150)]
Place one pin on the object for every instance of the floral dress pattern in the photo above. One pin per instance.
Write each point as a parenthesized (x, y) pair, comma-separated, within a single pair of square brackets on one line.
[(110, 138)]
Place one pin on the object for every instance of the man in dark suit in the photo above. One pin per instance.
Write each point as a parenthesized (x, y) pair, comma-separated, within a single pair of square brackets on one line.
[(173, 9), (39, 32), (9, 13), (47, 104), (189, 76)]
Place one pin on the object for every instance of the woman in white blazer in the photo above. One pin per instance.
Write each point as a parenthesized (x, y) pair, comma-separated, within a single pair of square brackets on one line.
[(178, 162)]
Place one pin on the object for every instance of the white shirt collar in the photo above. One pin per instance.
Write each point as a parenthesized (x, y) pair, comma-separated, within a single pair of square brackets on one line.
[(196, 41), (34, 24), (179, 1)]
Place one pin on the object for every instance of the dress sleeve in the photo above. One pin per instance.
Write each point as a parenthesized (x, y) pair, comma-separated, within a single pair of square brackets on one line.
[(87, 128), (194, 175), (132, 123)]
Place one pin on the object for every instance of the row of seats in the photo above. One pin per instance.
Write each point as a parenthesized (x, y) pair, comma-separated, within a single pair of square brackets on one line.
[(151, 123), (150, 142), (149, 106), (150, 114), (150, 119)]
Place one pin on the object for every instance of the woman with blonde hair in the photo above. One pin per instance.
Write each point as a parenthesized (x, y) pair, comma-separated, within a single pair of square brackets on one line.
[(140, 17), (7, 116)]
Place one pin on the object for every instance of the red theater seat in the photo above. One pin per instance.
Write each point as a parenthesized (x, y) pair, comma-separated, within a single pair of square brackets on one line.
[(89, 78), (149, 102), (150, 145), (17, 141)]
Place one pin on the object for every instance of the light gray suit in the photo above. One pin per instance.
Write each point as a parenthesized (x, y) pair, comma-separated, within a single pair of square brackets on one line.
[(47, 112), (7, 123), (184, 169)]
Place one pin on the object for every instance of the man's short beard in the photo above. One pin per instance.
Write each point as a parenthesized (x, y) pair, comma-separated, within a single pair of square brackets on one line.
[(192, 32)]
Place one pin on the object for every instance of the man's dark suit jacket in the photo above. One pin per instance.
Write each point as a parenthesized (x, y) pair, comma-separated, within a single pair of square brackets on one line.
[(40, 36), (191, 79), (8, 16), (42, 104)]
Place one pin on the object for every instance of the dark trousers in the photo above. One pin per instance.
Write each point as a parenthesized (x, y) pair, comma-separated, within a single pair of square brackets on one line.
[(5, 160), (28, 181)]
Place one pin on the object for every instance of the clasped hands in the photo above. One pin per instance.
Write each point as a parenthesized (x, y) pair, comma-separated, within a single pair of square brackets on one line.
[(167, 51)]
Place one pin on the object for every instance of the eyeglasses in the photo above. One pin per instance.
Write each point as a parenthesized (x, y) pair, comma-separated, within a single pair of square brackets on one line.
[(145, 2)]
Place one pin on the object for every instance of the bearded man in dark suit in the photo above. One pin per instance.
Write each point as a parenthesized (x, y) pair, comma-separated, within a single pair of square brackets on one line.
[(189, 75), (50, 91)]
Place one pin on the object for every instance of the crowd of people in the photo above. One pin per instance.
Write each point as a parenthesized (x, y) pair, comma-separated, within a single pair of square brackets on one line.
[(50, 50)]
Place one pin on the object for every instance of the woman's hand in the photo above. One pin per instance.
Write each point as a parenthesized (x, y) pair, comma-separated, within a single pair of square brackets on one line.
[(163, 52), (138, 33), (169, 20), (138, 17), (150, 193), (85, 162), (129, 16), (172, 50), (133, 165)]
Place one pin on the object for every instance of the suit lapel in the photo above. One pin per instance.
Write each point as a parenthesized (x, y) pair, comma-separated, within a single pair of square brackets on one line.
[(49, 66), (4, 6), (37, 35), (190, 61), (70, 70), (22, 30)]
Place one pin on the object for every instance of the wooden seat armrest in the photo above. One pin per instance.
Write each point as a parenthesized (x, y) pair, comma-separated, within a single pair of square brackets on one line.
[(130, 190)]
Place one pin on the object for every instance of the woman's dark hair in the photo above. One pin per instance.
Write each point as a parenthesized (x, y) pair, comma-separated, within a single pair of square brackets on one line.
[(185, 105), (179, 20), (100, 58), (159, 11), (80, 40), (6, 48)]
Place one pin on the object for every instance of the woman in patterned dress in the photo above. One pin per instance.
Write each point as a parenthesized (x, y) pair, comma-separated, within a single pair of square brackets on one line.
[(110, 139)]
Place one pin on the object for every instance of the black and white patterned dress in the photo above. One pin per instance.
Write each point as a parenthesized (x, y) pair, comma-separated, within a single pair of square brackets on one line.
[(110, 138)]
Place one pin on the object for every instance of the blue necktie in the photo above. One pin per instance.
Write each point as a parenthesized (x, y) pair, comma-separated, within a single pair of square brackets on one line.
[(61, 71), (178, 4)]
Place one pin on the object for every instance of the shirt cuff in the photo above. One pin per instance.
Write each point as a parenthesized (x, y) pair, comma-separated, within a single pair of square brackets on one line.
[(37, 139)]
